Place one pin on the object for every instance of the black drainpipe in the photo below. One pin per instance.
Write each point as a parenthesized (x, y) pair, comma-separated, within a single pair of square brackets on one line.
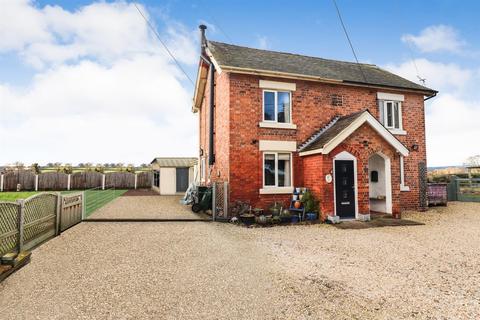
[(203, 42), (211, 153)]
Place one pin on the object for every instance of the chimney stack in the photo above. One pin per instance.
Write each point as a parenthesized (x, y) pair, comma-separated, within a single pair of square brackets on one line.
[(203, 39)]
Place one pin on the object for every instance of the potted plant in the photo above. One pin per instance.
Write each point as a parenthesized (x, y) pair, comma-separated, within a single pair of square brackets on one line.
[(261, 219), (285, 216), (244, 211), (311, 205), (275, 209)]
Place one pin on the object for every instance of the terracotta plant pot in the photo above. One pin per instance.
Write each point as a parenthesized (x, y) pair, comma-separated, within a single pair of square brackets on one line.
[(297, 204)]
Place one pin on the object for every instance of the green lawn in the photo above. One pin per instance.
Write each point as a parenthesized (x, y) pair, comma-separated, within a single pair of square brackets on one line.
[(12, 196), (94, 199)]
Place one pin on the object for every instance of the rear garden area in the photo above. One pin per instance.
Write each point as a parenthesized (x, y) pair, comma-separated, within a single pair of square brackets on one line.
[(201, 270)]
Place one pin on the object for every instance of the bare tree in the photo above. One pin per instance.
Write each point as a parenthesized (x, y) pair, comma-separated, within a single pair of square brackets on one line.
[(473, 161)]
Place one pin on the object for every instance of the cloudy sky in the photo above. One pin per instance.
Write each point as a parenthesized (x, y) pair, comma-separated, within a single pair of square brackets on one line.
[(84, 81)]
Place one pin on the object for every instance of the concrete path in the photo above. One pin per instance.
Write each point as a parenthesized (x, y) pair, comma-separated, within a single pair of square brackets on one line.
[(146, 207)]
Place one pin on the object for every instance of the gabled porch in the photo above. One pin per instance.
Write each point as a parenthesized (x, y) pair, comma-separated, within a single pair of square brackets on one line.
[(353, 166)]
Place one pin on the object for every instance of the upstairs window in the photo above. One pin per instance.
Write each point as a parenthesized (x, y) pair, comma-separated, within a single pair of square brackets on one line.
[(391, 114), (277, 106)]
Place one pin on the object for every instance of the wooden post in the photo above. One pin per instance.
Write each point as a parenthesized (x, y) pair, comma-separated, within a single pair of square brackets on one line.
[(135, 181), (1, 182), (103, 181), (68, 182), (83, 206), (58, 213), (214, 207), (36, 182), (21, 215)]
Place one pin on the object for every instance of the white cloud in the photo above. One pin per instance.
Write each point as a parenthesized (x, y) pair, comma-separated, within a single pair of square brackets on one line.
[(436, 38), (452, 117), (104, 31), (104, 91), (452, 130), (439, 76)]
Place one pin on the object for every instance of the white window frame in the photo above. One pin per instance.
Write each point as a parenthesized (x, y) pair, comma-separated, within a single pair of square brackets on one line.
[(275, 188), (276, 106), (385, 114), (403, 187)]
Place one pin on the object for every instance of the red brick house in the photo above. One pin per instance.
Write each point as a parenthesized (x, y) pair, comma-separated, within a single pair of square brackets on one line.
[(352, 133)]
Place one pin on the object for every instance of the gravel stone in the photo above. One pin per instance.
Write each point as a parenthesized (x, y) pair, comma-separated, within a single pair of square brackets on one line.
[(200, 270), (146, 207)]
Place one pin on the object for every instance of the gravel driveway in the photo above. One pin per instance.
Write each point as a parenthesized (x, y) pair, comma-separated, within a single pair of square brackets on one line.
[(146, 207), (201, 270)]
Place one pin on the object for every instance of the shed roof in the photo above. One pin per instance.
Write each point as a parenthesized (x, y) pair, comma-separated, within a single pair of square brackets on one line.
[(177, 162), (233, 56)]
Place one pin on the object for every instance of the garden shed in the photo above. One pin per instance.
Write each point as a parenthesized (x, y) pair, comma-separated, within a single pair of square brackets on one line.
[(173, 175)]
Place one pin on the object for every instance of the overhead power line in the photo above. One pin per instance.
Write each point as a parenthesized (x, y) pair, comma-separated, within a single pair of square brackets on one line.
[(164, 44), (349, 41)]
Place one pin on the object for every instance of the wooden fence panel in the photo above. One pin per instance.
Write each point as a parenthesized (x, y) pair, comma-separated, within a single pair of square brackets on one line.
[(23, 177), (120, 180), (52, 181), (144, 179), (71, 210), (85, 180)]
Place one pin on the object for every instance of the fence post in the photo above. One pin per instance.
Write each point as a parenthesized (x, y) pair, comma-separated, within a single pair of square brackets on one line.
[(58, 213), (21, 215), (83, 205), (68, 181), (36, 182), (136, 177), (225, 199), (103, 181), (214, 206), (1, 182)]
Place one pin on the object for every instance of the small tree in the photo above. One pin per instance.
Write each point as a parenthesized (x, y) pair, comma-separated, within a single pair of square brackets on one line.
[(309, 202)]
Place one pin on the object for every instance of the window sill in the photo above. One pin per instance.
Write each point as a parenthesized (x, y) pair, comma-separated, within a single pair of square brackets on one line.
[(398, 132), (276, 190), (277, 125), (404, 188)]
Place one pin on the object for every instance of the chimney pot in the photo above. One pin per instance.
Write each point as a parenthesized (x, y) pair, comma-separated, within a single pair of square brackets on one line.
[(203, 39)]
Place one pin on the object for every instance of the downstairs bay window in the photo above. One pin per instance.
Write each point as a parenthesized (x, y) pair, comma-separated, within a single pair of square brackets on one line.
[(277, 173)]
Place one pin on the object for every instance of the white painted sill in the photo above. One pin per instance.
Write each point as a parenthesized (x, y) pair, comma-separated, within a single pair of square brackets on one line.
[(276, 190), (277, 125), (404, 188), (398, 132)]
